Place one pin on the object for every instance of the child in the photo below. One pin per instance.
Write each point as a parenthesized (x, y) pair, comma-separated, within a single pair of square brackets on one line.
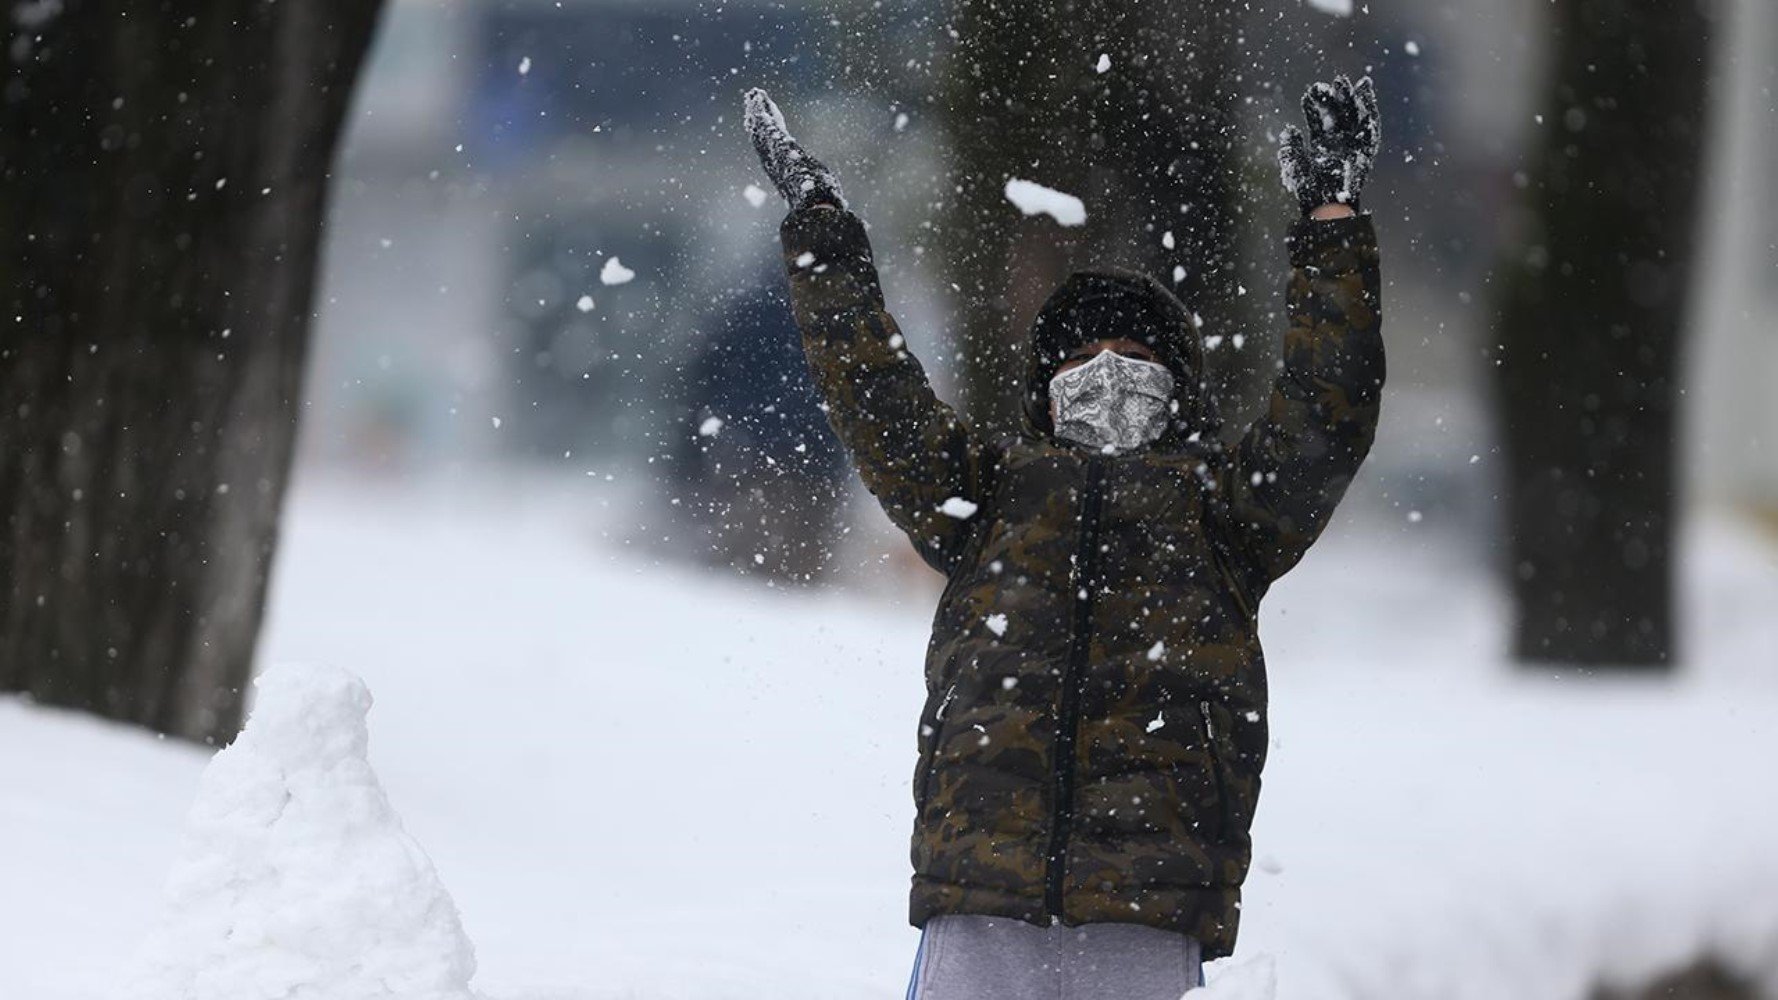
[(1091, 745)]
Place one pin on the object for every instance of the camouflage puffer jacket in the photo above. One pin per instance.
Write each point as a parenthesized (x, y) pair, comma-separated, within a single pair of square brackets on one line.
[(1096, 715)]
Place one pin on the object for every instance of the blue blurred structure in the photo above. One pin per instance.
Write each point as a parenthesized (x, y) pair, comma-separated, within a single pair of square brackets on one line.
[(757, 480)]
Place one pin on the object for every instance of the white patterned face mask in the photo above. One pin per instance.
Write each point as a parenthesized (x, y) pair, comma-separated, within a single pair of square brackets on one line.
[(1112, 403)]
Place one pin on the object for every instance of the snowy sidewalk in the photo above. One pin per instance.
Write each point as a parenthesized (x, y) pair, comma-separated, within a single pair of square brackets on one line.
[(637, 782)]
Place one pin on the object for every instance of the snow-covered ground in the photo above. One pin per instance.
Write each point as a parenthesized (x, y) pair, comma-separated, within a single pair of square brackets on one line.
[(639, 781)]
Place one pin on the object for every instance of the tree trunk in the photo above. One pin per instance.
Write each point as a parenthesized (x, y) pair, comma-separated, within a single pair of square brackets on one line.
[(165, 168), (1149, 144), (1589, 332)]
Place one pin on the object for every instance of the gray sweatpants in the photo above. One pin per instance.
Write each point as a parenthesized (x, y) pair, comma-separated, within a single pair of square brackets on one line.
[(972, 957)]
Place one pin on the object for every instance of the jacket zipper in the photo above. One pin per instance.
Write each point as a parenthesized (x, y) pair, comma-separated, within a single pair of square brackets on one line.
[(1068, 721), (1215, 539), (938, 732), (1222, 790)]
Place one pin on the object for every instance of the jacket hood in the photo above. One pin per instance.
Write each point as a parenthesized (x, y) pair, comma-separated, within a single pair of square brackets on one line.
[(1105, 303)]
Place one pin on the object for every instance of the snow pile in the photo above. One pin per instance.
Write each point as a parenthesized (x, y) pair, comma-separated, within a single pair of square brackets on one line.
[(297, 879), (1032, 198), (1253, 978)]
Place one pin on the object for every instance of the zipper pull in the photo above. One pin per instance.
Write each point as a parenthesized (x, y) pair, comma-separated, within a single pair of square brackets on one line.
[(1209, 725), (945, 702)]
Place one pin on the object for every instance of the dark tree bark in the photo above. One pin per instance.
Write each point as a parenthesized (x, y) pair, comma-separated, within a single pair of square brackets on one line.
[(165, 168), (1590, 329), (1149, 144)]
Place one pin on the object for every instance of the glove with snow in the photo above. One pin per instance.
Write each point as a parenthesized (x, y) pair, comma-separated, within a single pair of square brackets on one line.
[(799, 177), (1331, 163)]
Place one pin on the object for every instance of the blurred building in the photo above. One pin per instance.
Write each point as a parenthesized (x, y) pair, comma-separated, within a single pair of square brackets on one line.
[(1732, 413)]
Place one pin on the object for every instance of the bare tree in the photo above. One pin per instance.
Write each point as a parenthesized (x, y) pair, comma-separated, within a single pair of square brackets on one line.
[(1589, 329), (165, 168)]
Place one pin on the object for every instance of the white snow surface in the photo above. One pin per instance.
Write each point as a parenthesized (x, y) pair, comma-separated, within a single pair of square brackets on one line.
[(644, 781), (296, 879), (1032, 198), (1254, 978)]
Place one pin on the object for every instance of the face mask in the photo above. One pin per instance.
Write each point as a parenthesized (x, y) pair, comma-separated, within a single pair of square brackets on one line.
[(1112, 403)]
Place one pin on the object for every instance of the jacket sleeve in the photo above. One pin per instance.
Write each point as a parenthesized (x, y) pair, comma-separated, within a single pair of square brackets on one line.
[(924, 465), (1291, 467)]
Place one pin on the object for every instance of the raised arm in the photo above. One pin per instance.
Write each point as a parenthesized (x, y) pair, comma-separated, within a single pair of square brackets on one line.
[(920, 460), (1290, 469)]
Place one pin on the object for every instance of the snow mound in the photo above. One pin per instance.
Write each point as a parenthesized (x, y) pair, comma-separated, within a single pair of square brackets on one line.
[(1032, 198), (296, 879), (1254, 978)]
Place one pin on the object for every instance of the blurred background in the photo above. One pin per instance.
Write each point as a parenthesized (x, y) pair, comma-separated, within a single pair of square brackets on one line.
[(521, 433)]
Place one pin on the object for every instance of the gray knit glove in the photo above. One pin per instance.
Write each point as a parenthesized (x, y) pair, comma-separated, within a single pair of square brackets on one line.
[(799, 177), (1331, 163)]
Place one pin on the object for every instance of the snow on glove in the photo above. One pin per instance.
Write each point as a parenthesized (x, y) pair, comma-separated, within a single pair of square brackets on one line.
[(799, 177), (1331, 163)]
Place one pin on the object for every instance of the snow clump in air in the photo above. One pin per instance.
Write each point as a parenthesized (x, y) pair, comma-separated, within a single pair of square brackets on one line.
[(614, 273), (296, 878), (1032, 198), (1338, 8), (958, 508), (755, 195)]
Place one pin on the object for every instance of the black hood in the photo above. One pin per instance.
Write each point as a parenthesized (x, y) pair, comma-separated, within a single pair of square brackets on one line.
[(1106, 303)]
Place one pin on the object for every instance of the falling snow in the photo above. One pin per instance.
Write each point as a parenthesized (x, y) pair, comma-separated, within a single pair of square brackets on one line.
[(1032, 199), (958, 508), (614, 273)]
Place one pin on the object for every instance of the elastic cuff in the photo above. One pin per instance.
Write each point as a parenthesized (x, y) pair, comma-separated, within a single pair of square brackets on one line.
[(831, 234), (1312, 242), (817, 238)]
